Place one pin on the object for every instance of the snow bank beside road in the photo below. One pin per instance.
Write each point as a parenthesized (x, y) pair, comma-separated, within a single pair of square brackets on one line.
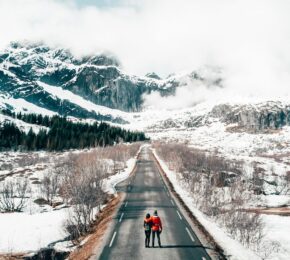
[(110, 183), (232, 247), (39, 226)]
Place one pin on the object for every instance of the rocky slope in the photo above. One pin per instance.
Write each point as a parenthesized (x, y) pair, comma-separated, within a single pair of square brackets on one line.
[(98, 78), (248, 117), (256, 117), (56, 81)]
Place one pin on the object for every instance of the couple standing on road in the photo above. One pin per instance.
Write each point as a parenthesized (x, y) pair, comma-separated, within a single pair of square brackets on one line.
[(152, 223)]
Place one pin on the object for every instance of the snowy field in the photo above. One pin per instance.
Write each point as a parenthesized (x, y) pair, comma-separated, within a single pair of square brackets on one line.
[(266, 153), (39, 225), (276, 228)]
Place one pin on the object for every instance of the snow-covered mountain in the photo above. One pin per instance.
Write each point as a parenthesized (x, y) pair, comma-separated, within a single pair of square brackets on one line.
[(52, 80), (35, 78)]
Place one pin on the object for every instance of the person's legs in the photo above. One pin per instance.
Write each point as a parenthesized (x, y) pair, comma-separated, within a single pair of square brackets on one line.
[(149, 234), (153, 237), (158, 236), (146, 238)]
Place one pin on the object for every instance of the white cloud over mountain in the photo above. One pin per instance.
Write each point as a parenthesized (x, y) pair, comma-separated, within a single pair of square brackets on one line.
[(248, 39)]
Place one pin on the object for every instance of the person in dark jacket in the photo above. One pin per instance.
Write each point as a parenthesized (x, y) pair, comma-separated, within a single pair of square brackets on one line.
[(147, 229), (156, 228)]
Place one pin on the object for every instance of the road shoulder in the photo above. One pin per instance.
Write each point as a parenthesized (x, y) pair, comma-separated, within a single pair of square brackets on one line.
[(213, 249)]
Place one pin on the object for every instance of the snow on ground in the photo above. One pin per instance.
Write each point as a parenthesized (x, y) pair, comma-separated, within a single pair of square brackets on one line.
[(21, 105), (269, 151), (231, 247), (277, 229), (111, 182), (38, 225), (23, 232), (21, 124), (277, 200)]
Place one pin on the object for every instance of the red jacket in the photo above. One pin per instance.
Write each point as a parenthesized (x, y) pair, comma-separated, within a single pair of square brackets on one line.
[(157, 225)]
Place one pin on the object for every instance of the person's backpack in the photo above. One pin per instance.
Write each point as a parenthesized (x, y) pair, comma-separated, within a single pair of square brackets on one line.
[(147, 226)]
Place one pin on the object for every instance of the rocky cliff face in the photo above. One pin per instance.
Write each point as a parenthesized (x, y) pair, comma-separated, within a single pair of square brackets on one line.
[(97, 78), (261, 116)]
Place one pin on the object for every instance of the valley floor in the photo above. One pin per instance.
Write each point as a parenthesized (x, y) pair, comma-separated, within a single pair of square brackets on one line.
[(40, 225), (264, 154)]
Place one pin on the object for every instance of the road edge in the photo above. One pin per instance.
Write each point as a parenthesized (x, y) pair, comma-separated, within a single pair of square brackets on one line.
[(203, 234), (110, 226)]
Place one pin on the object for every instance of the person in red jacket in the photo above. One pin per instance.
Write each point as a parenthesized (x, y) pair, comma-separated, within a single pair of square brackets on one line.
[(147, 228), (156, 228)]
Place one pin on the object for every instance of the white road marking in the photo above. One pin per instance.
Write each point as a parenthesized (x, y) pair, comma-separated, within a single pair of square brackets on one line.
[(191, 237), (172, 202), (121, 217), (203, 258), (179, 215), (168, 194), (126, 203), (112, 240)]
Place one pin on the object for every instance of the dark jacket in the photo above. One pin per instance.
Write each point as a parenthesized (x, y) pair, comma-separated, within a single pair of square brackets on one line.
[(148, 224)]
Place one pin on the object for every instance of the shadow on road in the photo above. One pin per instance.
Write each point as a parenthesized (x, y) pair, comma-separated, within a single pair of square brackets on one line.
[(178, 246), (186, 246)]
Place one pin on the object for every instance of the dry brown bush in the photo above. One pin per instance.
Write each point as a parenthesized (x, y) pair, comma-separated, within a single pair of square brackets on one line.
[(82, 177), (218, 187)]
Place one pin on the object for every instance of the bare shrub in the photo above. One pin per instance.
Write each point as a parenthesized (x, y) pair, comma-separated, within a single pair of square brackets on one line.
[(268, 248), (27, 159), (81, 178), (82, 190), (13, 195), (6, 166), (218, 187), (50, 186)]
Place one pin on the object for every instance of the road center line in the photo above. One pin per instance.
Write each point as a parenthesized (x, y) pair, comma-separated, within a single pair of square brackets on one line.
[(191, 237), (112, 240), (172, 202), (121, 217), (179, 215), (126, 204)]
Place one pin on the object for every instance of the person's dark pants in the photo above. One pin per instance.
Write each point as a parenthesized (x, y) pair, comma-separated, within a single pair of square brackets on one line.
[(158, 237), (147, 238)]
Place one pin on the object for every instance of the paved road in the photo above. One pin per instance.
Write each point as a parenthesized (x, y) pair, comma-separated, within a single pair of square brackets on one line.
[(146, 192)]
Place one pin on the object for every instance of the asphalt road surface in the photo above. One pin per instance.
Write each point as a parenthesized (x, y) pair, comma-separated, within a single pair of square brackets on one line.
[(146, 192)]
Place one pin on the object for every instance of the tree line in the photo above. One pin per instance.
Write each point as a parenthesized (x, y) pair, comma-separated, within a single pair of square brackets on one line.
[(62, 134)]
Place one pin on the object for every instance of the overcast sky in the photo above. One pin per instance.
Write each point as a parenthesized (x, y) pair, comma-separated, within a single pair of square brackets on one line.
[(99, 3), (249, 39)]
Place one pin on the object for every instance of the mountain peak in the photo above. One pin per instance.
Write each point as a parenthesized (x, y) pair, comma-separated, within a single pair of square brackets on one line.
[(152, 75)]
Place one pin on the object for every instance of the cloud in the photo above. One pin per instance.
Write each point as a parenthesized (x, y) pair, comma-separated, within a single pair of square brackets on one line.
[(185, 96), (249, 39)]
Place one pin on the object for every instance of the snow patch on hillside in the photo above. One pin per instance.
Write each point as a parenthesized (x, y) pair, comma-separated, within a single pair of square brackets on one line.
[(23, 106), (78, 100), (20, 124)]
